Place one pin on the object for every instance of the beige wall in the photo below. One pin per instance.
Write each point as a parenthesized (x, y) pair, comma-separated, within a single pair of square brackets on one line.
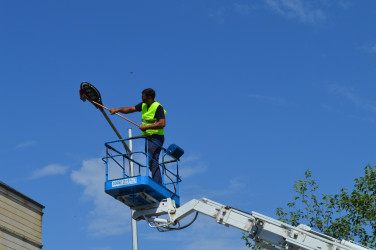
[(20, 220)]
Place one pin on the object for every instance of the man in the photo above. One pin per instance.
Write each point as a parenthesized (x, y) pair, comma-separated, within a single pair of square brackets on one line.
[(153, 123)]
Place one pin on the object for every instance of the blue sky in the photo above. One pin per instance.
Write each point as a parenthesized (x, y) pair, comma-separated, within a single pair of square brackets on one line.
[(256, 92)]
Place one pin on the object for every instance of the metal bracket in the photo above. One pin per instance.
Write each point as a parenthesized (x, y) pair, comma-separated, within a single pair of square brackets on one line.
[(166, 206), (127, 200), (222, 215)]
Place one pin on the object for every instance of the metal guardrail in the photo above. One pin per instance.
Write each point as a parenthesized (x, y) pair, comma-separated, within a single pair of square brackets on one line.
[(116, 155)]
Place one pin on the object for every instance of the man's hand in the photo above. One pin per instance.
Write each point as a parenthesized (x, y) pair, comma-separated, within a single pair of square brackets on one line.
[(143, 128), (113, 111)]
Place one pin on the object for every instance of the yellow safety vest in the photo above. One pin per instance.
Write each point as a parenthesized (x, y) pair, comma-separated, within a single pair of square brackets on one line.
[(148, 118)]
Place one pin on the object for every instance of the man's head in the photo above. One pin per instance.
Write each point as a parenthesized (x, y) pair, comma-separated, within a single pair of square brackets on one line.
[(148, 95)]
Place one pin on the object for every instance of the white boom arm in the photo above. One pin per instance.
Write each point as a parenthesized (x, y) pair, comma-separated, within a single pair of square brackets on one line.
[(266, 232)]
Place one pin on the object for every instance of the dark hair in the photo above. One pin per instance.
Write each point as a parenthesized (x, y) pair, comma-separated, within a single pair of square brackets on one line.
[(149, 92)]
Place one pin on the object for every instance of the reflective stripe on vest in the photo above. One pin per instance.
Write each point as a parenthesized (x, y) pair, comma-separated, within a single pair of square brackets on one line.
[(148, 118), (148, 121)]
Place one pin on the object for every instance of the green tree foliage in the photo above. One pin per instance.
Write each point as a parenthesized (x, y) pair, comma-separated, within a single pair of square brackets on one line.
[(349, 215)]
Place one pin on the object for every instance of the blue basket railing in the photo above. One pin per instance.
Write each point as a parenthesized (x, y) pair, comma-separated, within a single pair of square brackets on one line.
[(118, 157)]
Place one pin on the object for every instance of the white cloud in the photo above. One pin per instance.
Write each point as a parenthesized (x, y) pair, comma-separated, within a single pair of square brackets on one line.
[(296, 9), (26, 144), (53, 169), (218, 14), (191, 165), (351, 95), (229, 187), (345, 4), (243, 9), (108, 216), (347, 92), (370, 48)]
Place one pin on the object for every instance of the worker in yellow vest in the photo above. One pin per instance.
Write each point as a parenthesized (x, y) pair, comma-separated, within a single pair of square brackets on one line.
[(153, 123)]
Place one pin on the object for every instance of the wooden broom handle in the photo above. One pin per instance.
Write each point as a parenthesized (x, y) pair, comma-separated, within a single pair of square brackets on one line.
[(94, 102)]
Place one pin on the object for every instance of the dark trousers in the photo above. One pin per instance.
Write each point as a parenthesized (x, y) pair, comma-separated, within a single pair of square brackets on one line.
[(155, 143)]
